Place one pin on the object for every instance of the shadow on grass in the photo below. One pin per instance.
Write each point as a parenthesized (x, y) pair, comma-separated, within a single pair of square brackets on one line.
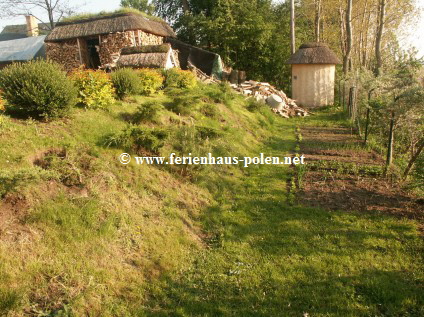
[(268, 258), (271, 259)]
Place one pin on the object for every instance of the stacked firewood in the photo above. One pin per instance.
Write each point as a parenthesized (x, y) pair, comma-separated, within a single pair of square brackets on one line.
[(111, 45), (276, 99), (65, 53)]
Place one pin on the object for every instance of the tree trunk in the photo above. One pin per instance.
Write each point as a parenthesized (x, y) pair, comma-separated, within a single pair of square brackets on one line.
[(292, 30), (346, 58), (380, 30), (367, 123), (50, 14), (389, 158), (413, 159), (186, 6), (317, 20), (362, 34), (342, 31), (367, 28)]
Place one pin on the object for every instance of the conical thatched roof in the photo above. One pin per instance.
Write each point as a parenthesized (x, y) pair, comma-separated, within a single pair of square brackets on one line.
[(314, 53), (108, 24)]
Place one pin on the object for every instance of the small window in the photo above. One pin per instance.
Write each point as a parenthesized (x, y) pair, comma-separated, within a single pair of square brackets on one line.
[(294, 77)]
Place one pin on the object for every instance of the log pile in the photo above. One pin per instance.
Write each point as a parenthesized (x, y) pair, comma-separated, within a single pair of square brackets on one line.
[(111, 45), (276, 99), (65, 53)]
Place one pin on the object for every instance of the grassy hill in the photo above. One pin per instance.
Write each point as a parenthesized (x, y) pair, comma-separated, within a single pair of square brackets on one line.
[(83, 235)]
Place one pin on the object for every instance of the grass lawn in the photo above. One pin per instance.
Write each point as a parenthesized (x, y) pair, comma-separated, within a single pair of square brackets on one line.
[(273, 258), (87, 236)]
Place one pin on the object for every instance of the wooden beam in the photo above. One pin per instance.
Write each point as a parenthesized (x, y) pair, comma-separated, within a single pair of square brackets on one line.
[(79, 50)]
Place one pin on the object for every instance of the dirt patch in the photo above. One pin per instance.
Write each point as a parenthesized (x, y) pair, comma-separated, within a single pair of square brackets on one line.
[(357, 159), (39, 159), (353, 193), (334, 190), (324, 134), (15, 207)]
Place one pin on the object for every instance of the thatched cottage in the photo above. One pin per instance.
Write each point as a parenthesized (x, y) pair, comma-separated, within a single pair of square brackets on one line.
[(313, 75), (97, 42)]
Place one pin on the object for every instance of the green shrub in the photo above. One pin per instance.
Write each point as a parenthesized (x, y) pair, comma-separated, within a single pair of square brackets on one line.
[(14, 180), (183, 100), (181, 105), (204, 133), (2, 103), (150, 81), (139, 140), (178, 78), (210, 110), (126, 82), (38, 89), (254, 105), (219, 93), (148, 111), (95, 88)]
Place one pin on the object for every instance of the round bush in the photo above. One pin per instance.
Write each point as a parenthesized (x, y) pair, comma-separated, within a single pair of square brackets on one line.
[(95, 88), (178, 78), (148, 111), (126, 82), (150, 81), (37, 89), (2, 102)]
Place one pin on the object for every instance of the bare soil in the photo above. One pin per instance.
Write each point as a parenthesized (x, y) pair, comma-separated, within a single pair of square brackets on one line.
[(334, 190)]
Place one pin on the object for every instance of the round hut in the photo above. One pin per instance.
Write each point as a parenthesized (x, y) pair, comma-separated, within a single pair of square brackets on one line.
[(313, 73)]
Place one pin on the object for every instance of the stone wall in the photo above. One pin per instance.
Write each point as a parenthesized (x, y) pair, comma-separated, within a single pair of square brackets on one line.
[(65, 53)]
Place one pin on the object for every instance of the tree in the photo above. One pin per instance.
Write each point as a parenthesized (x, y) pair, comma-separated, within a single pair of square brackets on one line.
[(348, 21), (318, 7), (53, 9), (380, 29), (292, 28), (142, 5), (414, 158)]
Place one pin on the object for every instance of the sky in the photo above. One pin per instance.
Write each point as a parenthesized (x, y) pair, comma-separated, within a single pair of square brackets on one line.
[(415, 35)]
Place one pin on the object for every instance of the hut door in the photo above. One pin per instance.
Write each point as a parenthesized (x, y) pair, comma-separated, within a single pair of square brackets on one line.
[(93, 54)]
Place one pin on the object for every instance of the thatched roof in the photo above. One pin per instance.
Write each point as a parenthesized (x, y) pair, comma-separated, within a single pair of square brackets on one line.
[(148, 56), (144, 60), (314, 53), (108, 24), (164, 48)]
